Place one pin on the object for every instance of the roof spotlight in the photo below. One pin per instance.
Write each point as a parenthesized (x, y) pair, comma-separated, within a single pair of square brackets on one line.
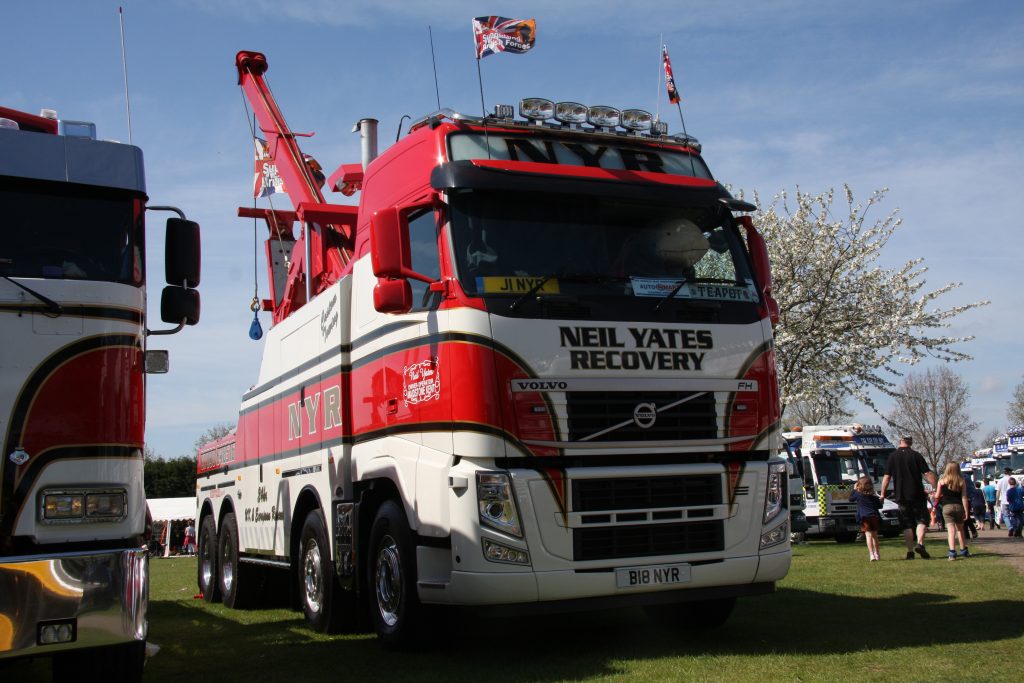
[(536, 109), (571, 112), (636, 120), (603, 117)]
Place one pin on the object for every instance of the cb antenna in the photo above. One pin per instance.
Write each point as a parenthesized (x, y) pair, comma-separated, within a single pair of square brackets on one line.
[(433, 59), (124, 66)]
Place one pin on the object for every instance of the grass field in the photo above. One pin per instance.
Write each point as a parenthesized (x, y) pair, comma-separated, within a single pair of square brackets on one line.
[(835, 617)]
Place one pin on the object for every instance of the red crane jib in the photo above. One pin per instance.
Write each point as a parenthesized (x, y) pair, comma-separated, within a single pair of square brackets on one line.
[(331, 227)]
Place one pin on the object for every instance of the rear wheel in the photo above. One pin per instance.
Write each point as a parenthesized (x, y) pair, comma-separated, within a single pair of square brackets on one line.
[(235, 580), (846, 537), (394, 603), (327, 608), (207, 565), (692, 615)]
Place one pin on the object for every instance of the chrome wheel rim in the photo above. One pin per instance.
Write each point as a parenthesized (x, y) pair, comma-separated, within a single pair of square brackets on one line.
[(206, 562), (227, 567), (311, 573), (389, 581)]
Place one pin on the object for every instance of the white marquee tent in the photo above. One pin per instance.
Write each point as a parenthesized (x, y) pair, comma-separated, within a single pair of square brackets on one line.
[(171, 511)]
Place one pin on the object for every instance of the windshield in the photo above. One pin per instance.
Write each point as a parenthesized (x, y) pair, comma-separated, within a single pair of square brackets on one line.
[(63, 231), (839, 469), (588, 248), (877, 459)]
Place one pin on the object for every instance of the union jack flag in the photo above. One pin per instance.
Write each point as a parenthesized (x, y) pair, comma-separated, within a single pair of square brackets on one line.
[(267, 180), (670, 82), (501, 34)]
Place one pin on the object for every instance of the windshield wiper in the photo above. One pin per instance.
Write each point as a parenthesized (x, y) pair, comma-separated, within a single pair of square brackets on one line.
[(675, 290), (569, 277), (51, 305)]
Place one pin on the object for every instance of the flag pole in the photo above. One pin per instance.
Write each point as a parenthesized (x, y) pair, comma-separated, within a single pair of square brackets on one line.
[(657, 99), (483, 107)]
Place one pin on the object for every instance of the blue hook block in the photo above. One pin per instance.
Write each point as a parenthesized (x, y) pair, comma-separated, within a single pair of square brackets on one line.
[(255, 331)]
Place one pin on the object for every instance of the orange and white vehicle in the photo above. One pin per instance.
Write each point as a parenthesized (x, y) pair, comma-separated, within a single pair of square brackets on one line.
[(532, 368), (73, 331)]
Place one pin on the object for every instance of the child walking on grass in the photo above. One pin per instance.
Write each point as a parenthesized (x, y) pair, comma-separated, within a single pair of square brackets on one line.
[(868, 506)]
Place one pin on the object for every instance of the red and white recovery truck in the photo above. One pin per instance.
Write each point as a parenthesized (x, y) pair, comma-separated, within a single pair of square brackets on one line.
[(73, 569), (532, 368)]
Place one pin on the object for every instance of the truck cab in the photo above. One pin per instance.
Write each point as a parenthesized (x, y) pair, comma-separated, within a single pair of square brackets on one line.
[(830, 459)]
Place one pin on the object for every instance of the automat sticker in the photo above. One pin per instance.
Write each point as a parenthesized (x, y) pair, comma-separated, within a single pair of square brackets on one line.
[(643, 286), (500, 284), (422, 381)]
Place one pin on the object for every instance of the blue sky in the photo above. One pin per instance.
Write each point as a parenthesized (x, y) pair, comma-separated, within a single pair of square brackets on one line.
[(925, 98)]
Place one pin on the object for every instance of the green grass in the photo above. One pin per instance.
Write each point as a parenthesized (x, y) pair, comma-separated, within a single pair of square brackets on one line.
[(835, 617)]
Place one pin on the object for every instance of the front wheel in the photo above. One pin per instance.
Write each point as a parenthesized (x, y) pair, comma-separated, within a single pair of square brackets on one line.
[(394, 603), (207, 565)]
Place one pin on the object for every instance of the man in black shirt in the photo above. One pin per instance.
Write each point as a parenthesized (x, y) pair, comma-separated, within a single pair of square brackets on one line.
[(905, 468)]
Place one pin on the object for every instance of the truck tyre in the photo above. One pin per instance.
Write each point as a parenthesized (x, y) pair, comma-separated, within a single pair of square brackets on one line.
[(846, 537), (692, 615), (207, 578), (394, 602), (234, 579), (114, 663), (327, 608)]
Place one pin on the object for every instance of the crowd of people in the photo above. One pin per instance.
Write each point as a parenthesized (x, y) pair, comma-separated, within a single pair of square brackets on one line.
[(956, 504)]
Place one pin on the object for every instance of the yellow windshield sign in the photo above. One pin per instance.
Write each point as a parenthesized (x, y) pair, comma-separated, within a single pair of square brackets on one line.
[(500, 284)]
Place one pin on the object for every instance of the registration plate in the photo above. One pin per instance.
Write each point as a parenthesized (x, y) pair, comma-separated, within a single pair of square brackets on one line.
[(657, 575)]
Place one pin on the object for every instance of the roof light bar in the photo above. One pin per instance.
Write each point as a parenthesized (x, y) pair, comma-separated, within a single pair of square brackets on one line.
[(504, 111), (637, 120), (603, 117), (536, 109)]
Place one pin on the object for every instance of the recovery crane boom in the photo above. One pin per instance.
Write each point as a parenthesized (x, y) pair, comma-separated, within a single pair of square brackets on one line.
[(323, 250)]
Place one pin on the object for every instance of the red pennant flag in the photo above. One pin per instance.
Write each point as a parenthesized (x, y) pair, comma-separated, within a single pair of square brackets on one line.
[(670, 82), (501, 34)]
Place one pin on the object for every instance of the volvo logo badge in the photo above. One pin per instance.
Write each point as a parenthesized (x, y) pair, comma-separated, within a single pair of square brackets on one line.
[(645, 415)]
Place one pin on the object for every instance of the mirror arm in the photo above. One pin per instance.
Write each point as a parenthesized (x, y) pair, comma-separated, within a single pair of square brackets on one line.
[(181, 214), (174, 330)]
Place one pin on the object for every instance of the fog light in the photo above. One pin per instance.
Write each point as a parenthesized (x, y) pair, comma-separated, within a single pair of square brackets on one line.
[(52, 632), (495, 552), (775, 536)]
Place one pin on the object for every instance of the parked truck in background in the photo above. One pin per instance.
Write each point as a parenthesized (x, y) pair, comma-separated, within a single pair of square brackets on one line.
[(73, 334), (830, 459), (533, 368)]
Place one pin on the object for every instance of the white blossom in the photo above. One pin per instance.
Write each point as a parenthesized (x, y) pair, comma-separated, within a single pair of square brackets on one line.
[(848, 325)]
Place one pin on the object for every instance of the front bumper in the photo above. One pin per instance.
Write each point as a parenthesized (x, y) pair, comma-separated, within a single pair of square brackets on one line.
[(102, 596), (732, 576)]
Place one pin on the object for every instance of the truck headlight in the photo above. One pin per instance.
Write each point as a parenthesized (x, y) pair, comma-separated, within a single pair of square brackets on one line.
[(776, 493), (497, 506), (71, 506)]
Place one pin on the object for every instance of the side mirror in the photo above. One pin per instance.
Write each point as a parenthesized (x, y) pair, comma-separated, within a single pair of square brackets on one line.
[(178, 303), (762, 267), (389, 244), (392, 296), (181, 252)]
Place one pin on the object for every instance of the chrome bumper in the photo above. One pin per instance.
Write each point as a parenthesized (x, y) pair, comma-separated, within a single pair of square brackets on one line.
[(102, 596)]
